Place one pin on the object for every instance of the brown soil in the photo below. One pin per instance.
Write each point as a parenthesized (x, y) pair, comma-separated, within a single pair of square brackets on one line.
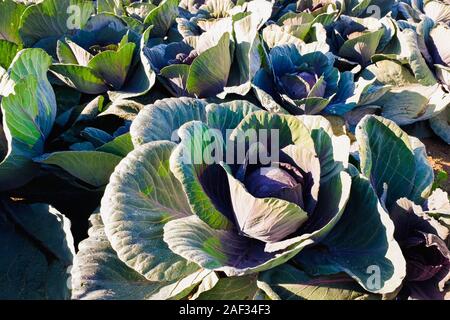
[(439, 157)]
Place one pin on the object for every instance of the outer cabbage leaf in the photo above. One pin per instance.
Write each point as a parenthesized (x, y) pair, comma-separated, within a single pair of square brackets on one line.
[(93, 167), (10, 13), (345, 249), (388, 156), (162, 17), (98, 274), (441, 125), (36, 252), (289, 283), (50, 19), (28, 115), (142, 196)]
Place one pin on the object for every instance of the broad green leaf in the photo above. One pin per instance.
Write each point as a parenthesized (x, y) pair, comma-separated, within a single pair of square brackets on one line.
[(53, 19), (10, 13), (369, 253), (123, 109), (111, 6), (28, 115), (140, 10), (113, 66), (228, 115), (176, 76), (36, 62), (6, 84), (409, 104), (289, 283), (8, 51), (362, 48), (437, 10), (143, 77), (246, 58), (46, 225), (389, 73), (222, 250), (274, 35), (81, 55), (170, 114), (83, 79), (36, 250), (333, 197), (92, 167), (441, 125), (388, 156), (410, 51), (443, 74), (162, 17), (332, 151), (265, 90), (423, 181), (96, 136), (65, 54), (79, 117), (120, 146), (233, 288), (140, 199), (98, 273), (218, 8), (208, 74), (255, 216), (289, 129), (200, 146)]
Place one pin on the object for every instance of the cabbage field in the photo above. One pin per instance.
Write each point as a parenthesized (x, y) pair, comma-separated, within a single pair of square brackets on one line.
[(224, 150)]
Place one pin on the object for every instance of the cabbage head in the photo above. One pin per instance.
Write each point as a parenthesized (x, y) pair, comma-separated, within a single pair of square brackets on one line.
[(219, 198)]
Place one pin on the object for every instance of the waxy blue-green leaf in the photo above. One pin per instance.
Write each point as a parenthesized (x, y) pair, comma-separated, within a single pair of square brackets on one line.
[(120, 146), (274, 35), (362, 48), (113, 66), (10, 14), (111, 6), (36, 252), (29, 110), (247, 60), (170, 114), (289, 283), (255, 216), (8, 51), (387, 157), (96, 136), (336, 192), (162, 17), (51, 19), (142, 196), (92, 167), (332, 151), (99, 274), (409, 104), (346, 247), (223, 250), (437, 10), (226, 116), (208, 74), (424, 178)]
